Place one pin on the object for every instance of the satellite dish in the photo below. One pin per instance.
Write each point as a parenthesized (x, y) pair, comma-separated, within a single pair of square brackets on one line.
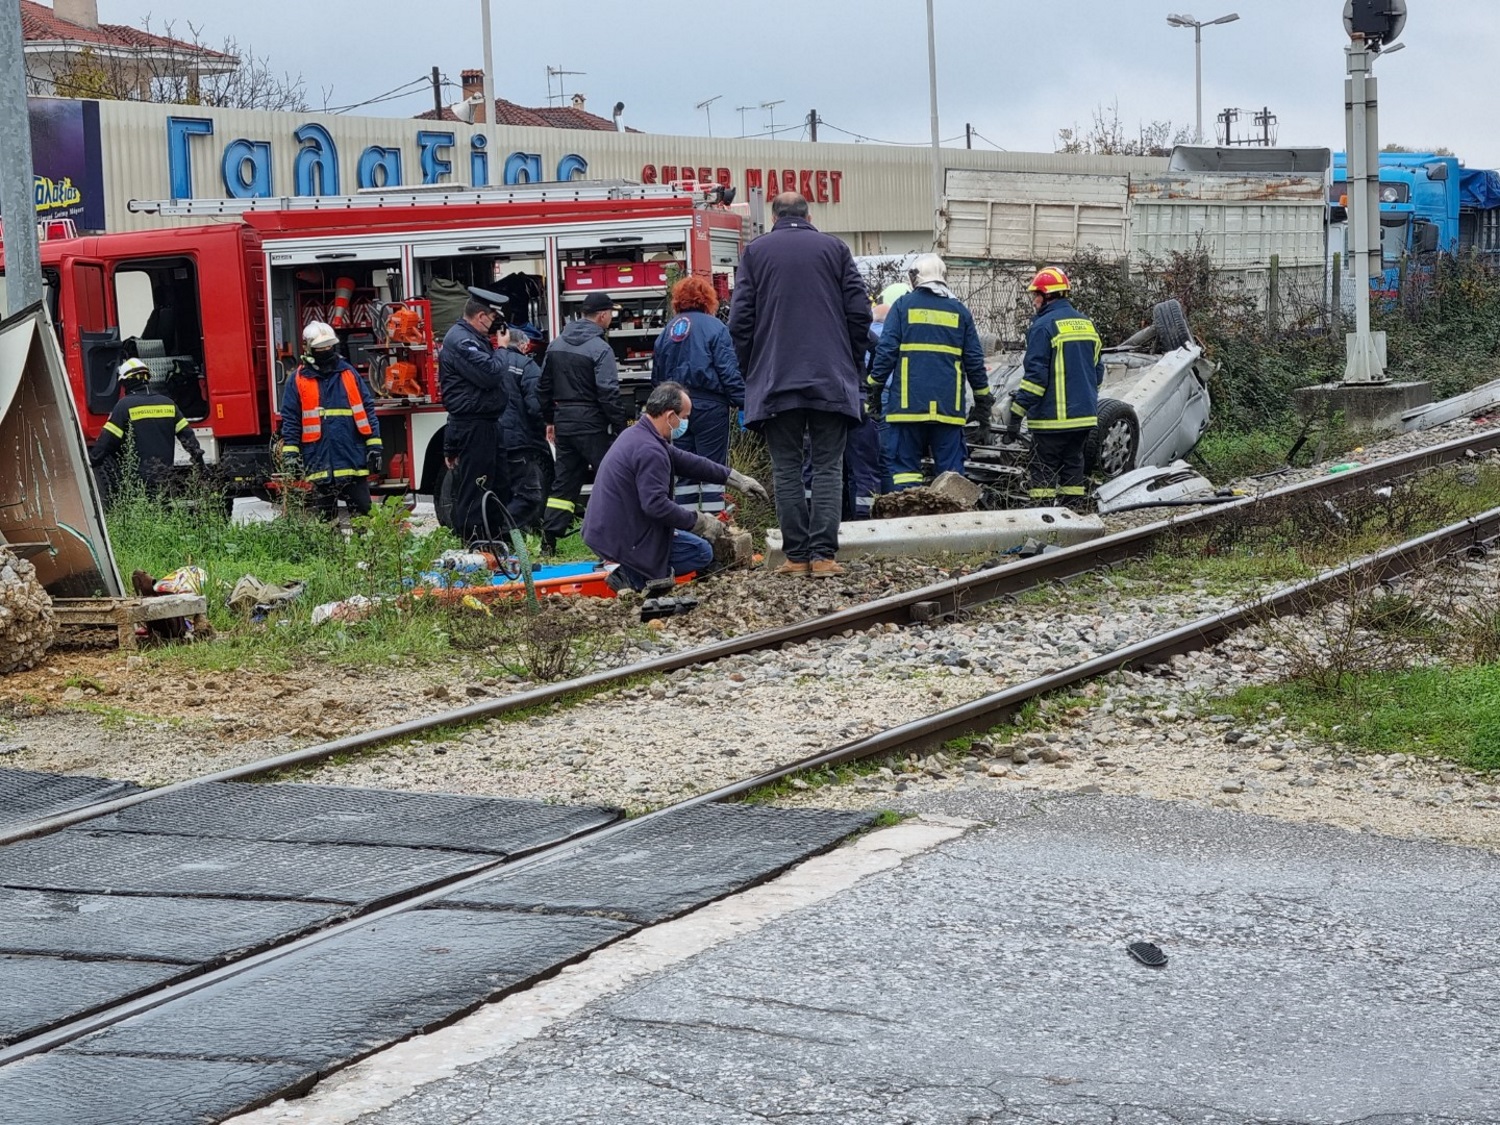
[(1377, 21)]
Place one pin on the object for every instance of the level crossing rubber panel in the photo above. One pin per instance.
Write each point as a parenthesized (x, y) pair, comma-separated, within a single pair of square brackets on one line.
[(339, 815), (40, 992), (348, 996), (26, 796), (80, 1090), (128, 863), (186, 931), (668, 865)]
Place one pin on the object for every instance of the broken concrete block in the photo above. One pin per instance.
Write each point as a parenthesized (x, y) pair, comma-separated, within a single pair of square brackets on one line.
[(734, 550), (958, 488)]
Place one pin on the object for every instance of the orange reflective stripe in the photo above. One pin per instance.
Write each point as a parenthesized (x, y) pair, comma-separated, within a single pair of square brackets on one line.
[(312, 407)]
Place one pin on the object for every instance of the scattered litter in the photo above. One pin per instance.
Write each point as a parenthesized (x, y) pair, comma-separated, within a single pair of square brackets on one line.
[(653, 609), (1177, 483), (356, 608), (469, 601), (183, 580), (1147, 953), (259, 600)]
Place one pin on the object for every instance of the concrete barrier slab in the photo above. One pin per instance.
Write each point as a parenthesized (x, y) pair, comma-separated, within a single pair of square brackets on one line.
[(126, 863), (336, 814), (187, 931), (923, 537), (671, 865)]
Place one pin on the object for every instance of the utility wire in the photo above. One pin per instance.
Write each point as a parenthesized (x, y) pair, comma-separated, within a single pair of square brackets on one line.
[(987, 141), (879, 141), (403, 90)]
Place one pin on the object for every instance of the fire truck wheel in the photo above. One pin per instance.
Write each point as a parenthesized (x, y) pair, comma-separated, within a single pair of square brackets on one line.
[(442, 499)]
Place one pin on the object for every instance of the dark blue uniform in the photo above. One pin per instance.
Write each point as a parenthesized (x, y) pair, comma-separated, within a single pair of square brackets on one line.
[(928, 349), (1059, 398), (696, 351), (336, 460), (472, 380)]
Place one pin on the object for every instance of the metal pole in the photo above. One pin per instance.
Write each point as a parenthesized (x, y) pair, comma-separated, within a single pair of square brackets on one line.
[(1365, 351), (937, 151), (1198, 81), (492, 143), (23, 265)]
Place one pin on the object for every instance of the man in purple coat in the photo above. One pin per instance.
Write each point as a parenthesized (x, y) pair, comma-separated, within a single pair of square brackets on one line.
[(800, 323), (633, 520)]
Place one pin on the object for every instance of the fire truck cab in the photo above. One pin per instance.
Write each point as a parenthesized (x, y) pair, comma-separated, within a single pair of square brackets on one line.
[(217, 310)]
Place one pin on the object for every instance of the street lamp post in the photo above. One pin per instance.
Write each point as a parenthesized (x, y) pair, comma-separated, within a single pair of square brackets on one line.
[(1198, 26), (937, 151)]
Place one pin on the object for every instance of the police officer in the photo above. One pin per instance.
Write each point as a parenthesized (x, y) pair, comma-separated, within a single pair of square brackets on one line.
[(1059, 392), (473, 379), (153, 422), (928, 347), (581, 403), (525, 434), (330, 435)]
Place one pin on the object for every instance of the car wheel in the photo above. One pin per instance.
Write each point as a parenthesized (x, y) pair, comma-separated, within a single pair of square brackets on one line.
[(1171, 325), (1114, 441)]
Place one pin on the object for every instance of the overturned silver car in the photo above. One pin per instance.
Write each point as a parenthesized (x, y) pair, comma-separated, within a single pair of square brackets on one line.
[(1153, 404)]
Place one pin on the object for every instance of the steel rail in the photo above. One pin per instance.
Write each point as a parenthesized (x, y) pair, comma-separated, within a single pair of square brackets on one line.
[(973, 717), (926, 602)]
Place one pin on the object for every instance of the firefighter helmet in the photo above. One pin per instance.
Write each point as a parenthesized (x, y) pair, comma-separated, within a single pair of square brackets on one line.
[(928, 267), (318, 337), (1049, 281), (134, 371)]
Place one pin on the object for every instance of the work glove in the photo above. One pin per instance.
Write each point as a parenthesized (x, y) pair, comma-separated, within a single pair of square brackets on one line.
[(291, 462), (741, 483), (874, 404), (707, 527), (372, 461), (1012, 426), (980, 411)]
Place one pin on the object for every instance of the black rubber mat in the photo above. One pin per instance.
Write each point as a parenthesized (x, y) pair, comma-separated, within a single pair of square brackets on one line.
[(187, 931), (127, 863), (669, 865), (331, 814), (80, 1090), (38, 992), (26, 797), (344, 998)]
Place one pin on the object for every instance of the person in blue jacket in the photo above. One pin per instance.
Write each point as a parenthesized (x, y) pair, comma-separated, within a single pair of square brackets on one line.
[(928, 349), (330, 435), (1059, 392), (695, 351), (632, 519), (523, 430), (472, 379)]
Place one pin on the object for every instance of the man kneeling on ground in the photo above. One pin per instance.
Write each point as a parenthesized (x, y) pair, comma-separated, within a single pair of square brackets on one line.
[(631, 516)]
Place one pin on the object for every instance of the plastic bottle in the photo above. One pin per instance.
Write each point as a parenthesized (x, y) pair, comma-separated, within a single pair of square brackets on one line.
[(1343, 466)]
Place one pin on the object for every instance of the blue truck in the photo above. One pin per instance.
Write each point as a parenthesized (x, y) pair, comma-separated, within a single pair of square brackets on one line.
[(1429, 204)]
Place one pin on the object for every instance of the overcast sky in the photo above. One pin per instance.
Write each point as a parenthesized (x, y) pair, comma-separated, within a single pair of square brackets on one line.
[(1018, 71)]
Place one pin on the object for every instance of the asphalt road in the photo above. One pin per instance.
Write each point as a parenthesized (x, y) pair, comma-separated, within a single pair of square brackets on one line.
[(1315, 976)]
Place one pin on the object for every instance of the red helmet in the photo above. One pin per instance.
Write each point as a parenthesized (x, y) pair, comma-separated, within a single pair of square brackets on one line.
[(1050, 280)]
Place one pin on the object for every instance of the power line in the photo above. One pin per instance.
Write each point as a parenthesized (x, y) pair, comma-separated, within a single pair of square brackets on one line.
[(877, 140), (404, 90), (987, 141)]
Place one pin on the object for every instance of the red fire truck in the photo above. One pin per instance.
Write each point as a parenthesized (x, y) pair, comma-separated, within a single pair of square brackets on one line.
[(217, 310)]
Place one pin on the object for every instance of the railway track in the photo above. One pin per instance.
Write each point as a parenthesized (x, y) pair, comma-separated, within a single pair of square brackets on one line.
[(1475, 535), (923, 604)]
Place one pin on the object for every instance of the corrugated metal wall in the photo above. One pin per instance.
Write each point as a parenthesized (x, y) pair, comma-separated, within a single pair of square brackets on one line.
[(884, 191)]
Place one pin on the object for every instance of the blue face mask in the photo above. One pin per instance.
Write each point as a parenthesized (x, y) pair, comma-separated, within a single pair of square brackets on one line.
[(679, 429)]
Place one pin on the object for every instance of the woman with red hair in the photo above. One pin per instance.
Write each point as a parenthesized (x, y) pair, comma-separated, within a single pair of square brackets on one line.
[(695, 350)]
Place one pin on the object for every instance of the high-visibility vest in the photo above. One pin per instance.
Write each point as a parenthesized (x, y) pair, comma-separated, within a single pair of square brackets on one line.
[(312, 412)]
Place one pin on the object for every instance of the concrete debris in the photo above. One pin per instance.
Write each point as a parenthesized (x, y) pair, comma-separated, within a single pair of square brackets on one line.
[(958, 488), (923, 501), (734, 550), (27, 624)]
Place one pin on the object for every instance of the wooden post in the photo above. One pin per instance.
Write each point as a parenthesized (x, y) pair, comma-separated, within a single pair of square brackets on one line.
[(1273, 294)]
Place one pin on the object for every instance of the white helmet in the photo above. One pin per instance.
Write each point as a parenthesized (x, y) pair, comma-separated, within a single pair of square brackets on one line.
[(133, 371), (317, 337), (929, 267)]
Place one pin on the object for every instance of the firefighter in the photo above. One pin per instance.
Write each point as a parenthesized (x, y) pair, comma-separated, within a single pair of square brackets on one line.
[(473, 376), (929, 346), (153, 422), (581, 404), (330, 435), (1059, 392)]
